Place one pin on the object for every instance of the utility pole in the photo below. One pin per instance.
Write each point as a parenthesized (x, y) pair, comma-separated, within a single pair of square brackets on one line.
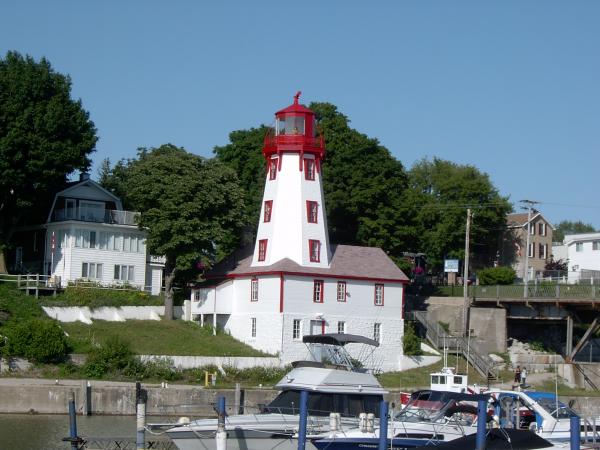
[(529, 204), (466, 275)]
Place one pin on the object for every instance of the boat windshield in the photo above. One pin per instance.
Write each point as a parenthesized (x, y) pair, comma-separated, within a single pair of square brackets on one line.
[(562, 412), (323, 403), (433, 406)]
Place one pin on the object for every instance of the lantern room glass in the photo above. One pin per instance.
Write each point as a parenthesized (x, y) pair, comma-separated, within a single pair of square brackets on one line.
[(290, 125)]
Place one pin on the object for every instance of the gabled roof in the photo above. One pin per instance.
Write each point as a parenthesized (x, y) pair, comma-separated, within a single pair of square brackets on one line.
[(582, 237), (518, 220), (347, 261)]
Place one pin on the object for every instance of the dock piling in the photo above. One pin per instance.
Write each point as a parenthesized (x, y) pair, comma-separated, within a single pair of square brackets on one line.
[(303, 419), (481, 425), (141, 396), (221, 436), (383, 425), (575, 439)]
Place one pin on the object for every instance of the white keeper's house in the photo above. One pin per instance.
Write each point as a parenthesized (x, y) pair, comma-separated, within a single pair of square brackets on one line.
[(294, 282)]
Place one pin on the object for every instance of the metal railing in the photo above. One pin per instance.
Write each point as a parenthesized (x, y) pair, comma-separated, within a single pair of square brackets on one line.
[(112, 216), (537, 290), (31, 281), (440, 339)]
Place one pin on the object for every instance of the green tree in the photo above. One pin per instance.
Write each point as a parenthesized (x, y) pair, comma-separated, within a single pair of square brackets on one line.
[(191, 208), (440, 193), (411, 343), (567, 227), (44, 136), (39, 340)]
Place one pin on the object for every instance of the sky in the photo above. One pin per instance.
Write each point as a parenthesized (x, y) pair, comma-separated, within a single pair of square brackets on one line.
[(511, 87)]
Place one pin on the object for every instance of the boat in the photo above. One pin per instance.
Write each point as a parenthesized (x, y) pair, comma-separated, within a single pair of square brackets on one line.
[(430, 417), (334, 384), (540, 412)]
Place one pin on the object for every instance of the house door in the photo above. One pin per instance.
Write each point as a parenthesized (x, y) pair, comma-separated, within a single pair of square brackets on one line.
[(317, 327)]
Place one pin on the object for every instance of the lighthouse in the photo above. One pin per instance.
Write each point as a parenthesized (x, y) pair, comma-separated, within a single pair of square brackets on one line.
[(292, 222)]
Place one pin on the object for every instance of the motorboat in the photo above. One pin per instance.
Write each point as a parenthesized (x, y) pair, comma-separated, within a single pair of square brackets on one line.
[(334, 384), (540, 412), (430, 417)]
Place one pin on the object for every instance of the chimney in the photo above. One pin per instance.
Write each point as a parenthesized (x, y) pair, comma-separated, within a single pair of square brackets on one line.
[(84, 176)]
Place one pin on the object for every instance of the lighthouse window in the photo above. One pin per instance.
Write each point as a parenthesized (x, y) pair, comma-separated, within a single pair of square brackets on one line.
[(290, 125), (272, 169), (268, 209), (341, 291), (314, 248), (312, 211), (262, 249), (309, 169)]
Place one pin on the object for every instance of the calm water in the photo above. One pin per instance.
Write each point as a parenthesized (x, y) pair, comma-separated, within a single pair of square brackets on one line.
[(44, 432)]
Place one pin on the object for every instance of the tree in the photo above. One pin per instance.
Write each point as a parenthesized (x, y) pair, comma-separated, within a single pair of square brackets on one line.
[(440, 193), (363, 183), (44, 136), (567, 227), (191, 207)]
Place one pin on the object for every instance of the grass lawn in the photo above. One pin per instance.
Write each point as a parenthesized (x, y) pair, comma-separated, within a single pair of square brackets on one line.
[(150, 337)]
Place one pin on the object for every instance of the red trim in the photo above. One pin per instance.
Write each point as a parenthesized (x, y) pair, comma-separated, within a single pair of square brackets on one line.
[(311, 244), (322, 327), (269, 204), (281, 285), (252, 289), (337, 294), (262, 249), (322, 291), (309, 204), (382, 294), (308, 274)]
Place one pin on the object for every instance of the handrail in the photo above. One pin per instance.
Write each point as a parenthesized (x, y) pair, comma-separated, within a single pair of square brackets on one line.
[(482, 363)]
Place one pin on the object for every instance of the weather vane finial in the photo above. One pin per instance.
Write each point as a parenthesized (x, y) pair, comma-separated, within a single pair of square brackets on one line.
[(296, 97)]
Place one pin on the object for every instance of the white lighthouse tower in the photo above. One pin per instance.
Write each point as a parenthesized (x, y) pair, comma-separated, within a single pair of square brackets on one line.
[(292, 223)]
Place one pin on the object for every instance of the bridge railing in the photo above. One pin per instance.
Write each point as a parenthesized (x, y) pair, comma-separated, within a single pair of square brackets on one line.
[(537, 290)]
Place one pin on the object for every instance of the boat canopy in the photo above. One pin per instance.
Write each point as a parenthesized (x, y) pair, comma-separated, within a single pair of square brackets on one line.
[(340, 339)]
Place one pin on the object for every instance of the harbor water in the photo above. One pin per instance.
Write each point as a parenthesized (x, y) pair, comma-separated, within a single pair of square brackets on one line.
[(45, 432)]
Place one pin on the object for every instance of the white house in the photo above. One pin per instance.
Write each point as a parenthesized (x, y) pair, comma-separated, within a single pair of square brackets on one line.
[(583, 251), (293, 282), (88, 236)]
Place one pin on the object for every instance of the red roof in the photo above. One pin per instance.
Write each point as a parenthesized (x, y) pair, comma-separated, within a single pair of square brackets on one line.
[(295, 107)]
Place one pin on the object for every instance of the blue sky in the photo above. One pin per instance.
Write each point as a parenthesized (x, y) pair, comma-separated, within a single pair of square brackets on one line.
[(512, 87)]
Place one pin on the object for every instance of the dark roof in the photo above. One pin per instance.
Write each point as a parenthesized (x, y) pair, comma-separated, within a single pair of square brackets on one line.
[(520, 219), (338, 339), (346, 261)]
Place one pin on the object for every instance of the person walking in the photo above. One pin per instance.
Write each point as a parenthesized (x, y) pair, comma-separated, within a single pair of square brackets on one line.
[(518, 375), (524, 377)]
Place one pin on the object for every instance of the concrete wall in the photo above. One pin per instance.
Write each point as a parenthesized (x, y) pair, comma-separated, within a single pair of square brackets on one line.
[(239, 362), (448, 310), (488, 329), (109, 313)]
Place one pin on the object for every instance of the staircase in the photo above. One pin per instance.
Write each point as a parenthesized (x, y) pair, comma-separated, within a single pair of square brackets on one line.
[(438, 337)]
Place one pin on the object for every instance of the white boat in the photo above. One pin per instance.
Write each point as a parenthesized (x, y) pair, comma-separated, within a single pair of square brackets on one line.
[(336, 386), (430, 418)]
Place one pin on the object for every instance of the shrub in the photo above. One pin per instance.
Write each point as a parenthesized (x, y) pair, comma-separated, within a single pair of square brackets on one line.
[(496, 275), (96, 297), (113, 357), (39, 340), (410, 341)]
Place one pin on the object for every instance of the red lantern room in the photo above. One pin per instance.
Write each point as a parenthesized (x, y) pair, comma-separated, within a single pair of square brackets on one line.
[(295, 131)]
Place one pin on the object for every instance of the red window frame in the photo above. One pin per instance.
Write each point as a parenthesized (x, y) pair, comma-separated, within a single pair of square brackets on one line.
[(262, 249), (253, 283), (272, 169), (318, 291), (313, 244), (381, 286), (268, 209), (339, 285), (312, 211), (310, 168)]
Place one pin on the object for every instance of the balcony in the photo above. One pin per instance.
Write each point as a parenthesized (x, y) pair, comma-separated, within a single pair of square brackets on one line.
[(111, 216)]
